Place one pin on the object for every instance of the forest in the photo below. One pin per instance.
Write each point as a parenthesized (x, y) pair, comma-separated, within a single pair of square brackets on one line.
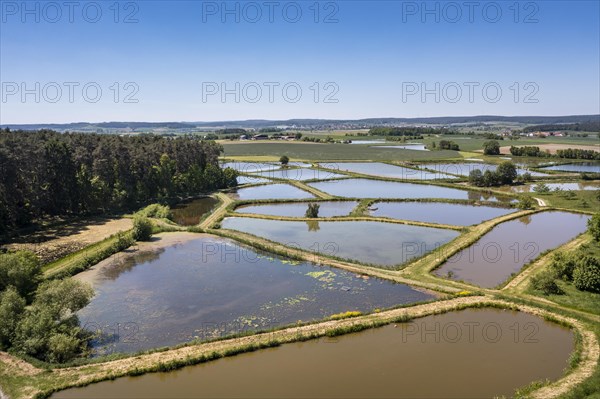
[(44, 173)]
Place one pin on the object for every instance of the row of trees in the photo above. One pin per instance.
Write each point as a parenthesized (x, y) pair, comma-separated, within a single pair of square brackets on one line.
[(574, 153), (569, 153), (45, 173)]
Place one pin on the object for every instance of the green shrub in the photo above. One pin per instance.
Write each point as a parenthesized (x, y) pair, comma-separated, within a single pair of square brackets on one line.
[(546, 283), (563, 265), (525, 202), (541, 188), (313, 210), (21, 270), (142, 229), (284, 159), (156, 211), (594, 226), (586, 276)]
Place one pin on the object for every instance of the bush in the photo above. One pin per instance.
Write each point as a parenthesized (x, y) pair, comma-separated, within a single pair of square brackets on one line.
[(491, 147), (63, 347), (284, 159), (21, 270), (586, 276), (156, 211), (12, 307), (546, 283), (313, 210), (563, 265), (541, 188), (476, 178), (507, 172), (142, 229), (525, 202), (594, 226)]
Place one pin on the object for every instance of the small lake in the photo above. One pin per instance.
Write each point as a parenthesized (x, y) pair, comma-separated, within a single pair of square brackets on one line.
[(583, 167), (415, 147), (209, 287), (190, 213), (510, 245), (301, 174), (463, 169), (386, 245), (387, 170), (473, 353), (438, 212), (298, 209), (270, 191), (366, 188)]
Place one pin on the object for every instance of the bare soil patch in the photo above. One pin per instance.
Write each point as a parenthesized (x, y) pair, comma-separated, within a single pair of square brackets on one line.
[(56, 242)]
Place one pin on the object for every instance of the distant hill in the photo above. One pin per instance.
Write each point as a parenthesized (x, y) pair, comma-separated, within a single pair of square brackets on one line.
[(307, 123)]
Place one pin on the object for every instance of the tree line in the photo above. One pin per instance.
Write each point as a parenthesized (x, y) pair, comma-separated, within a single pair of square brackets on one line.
[(569, 153), (46, 173)]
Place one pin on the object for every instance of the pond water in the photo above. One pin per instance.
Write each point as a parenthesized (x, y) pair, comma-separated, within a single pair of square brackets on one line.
[(209, 287), (366, 188), (368, 141), (386, 170), (298, 209), (270, 191), (190, 213), (251, 180), (473, 353), (583, 167), (415, 147), (386, 245), (438, 212), (510, 245), (580, 186), (301, 174), (463, 169), (247, 167)]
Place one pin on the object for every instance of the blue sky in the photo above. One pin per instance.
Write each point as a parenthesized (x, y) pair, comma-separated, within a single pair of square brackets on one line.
[(352, 59)]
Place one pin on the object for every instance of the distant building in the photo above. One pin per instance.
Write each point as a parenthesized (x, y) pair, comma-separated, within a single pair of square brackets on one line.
[(260, 137)]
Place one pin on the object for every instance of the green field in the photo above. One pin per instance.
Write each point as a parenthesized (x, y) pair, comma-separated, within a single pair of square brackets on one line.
[(321, 152)]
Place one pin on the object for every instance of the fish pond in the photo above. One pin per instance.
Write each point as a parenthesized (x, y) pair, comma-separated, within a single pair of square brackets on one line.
[(251, 180), (208, 287), (579, 186), (415, 147), (300, 174), (509, 246), (581, 167), (387, 170), (438, 212), (463, 169), (385, 245), (298, 209), (473, 353), (367, 188), (270, 191), (190, 213)]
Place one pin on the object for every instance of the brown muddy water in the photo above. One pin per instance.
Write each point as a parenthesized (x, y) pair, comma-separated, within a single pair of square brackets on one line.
[(474, 353), (511, 245), (190, 213)]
